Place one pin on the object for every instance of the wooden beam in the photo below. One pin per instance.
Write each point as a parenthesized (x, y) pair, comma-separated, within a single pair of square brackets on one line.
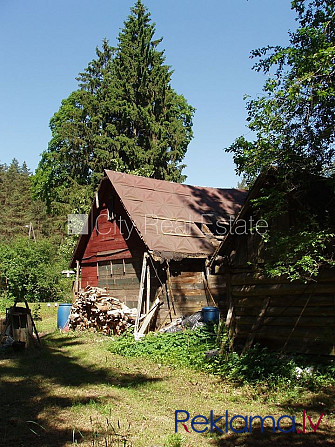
[(297, 322), (206, 287), (149, 317), (168, 277), (230, 314), (148, 289), (77, 276), (76, 284), (140, 295)]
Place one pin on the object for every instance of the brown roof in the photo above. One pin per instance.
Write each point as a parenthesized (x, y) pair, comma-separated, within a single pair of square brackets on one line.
[(168, 216)]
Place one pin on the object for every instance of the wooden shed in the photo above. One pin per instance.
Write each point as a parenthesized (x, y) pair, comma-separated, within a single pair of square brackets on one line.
[(148, 237), (283, 315)]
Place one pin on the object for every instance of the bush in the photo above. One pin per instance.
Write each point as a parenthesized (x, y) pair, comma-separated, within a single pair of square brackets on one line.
[(32, 270), (256, 365), (5, 302)]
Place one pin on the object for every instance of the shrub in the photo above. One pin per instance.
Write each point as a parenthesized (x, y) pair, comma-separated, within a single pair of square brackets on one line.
[(256, 365), (31, 270)]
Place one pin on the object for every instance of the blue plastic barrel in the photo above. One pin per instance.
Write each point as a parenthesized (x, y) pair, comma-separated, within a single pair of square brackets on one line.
[(211, 314), (63, 314)]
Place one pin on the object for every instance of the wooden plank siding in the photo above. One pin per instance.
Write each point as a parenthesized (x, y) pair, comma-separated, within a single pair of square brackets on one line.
[(300, 317), (188, 296), (124, 282), (187, 286)]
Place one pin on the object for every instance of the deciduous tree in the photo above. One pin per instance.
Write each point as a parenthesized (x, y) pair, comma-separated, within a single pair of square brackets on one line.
[(293, 124)]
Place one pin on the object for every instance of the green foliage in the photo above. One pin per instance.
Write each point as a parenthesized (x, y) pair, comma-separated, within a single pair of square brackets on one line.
[(29, 269), (17, 207), (186, 348), (174, 440), (261, 366), (258, 365), (5, 302), (243, 184), (66, 248), (300, 255), (293, 120), (125, 116), (301, 227), (32, 270), (293, 125)]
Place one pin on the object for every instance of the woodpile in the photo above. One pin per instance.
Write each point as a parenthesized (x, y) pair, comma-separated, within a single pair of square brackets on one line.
[(95, 310)]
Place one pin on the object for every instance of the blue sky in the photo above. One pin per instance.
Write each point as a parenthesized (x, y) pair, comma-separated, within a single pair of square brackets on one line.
[(45, 44)]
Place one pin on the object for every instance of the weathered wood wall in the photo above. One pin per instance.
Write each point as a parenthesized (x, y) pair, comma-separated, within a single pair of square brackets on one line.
[(189, 291), (296, 317), (122, 280), (278, 313)]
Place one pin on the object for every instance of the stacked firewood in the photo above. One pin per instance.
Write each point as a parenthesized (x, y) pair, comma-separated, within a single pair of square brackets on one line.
[(95, 310)]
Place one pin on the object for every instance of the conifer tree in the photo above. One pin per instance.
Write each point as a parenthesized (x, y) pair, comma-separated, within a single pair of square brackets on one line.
[(17, 207), (125, 116)]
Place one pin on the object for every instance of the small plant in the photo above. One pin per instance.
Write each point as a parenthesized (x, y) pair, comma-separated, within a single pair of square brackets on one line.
[(36, 314), (174, 440), (104, 434)]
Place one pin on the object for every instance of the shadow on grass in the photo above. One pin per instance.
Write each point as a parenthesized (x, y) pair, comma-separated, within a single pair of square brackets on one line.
[(322, 401), (30, 400), (266, 439)]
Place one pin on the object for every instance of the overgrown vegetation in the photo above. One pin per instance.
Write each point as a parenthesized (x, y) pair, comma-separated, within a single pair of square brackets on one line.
[(33, 247), (293, 127), (32, 270), (204, 350), (185, 348)]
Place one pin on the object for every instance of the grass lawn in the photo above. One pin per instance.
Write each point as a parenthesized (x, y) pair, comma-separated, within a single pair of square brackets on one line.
[(73, 388)]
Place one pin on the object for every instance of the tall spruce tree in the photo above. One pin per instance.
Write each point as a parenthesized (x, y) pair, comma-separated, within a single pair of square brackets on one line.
[(124, 116)]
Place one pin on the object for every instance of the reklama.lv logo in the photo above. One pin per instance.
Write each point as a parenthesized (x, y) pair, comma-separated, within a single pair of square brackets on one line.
[(201, 424)]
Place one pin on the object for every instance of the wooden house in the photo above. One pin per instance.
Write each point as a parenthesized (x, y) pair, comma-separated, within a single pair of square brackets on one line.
[(148, 238), (291, 316)]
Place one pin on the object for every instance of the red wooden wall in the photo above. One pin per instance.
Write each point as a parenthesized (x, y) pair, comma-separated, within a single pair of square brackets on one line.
[(109, 239)]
